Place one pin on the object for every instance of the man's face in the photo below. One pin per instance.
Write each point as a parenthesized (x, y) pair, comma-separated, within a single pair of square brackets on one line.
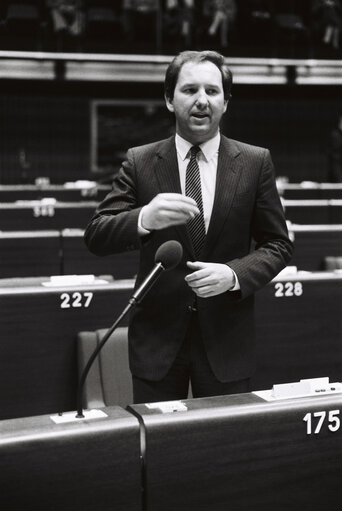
[(198, 102)]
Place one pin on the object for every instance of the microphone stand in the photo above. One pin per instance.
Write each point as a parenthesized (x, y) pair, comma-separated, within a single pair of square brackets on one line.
[(136, 298)]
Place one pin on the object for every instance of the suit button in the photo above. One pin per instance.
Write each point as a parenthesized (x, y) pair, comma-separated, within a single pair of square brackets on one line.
[(191, 308)]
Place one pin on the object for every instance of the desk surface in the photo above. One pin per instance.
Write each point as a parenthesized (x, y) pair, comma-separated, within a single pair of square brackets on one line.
[(241, 450), (39, 326), (311, 190), (68, 191), (88, 464), (298, 330), (42, 215)]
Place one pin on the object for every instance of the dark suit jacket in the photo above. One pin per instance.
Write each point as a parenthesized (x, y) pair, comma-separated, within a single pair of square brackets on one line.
[(246, 206)]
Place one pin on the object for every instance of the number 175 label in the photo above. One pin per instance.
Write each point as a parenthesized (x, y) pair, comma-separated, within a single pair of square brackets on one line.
[(318, 420)]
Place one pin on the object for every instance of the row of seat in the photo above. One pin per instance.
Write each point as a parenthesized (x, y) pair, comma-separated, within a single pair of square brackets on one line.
[(307, 190), (90, 190), (63, 252), (72, 191), (52, 214), (297, 327)]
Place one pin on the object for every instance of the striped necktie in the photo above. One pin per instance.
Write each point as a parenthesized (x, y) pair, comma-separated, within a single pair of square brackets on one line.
[(196, 225)]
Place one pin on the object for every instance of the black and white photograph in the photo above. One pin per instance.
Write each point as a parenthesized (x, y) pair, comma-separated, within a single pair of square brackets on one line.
[(171, 255)]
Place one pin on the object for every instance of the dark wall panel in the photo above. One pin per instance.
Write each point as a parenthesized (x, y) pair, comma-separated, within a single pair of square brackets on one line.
[(43, 136)]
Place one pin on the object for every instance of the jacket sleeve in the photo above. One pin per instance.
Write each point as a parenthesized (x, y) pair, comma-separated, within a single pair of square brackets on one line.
[(273, 248), (114, 226)]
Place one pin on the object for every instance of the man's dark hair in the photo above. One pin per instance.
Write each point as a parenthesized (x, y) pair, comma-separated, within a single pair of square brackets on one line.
[(197, 57)]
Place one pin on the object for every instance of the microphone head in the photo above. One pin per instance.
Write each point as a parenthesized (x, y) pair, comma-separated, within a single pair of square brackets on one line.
[(169, 254)]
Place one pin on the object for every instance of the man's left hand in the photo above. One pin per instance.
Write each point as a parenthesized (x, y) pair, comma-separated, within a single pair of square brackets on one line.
[(210, 279)]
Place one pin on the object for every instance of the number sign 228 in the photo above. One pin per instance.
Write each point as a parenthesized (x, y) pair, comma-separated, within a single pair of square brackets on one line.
[(288, 289)]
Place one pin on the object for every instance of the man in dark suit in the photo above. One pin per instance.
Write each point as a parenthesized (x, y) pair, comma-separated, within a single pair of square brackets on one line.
[(214, 195)]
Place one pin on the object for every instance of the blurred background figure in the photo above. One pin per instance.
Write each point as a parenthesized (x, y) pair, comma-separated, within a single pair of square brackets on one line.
[(67, 15), (335, 152), (187, 20), (327, 21), (68, 19), (223, 17)]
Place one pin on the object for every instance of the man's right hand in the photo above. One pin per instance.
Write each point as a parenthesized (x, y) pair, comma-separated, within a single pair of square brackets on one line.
[(167, 209)]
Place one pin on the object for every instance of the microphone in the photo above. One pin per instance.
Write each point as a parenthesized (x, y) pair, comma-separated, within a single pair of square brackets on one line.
[(167, 257)]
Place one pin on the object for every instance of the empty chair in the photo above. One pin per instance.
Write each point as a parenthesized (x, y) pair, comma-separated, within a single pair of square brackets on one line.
[(332, 263), (109, 379)]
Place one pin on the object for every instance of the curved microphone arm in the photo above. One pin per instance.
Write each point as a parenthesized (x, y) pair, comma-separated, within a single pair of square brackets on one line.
[(168, 255), (136, 298), (86, 370)]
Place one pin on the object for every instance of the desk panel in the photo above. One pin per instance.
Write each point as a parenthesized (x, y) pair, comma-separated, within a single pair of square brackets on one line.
[(30, 253), (299, 329), (298, 336), (242, 453), (64, 193), (39, 325), (296, 191), (308, 211), (313, 242), (34, 215), (78, 259), (88, 465)]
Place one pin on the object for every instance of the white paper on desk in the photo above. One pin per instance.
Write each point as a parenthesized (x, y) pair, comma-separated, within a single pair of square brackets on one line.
[(73, 280), (168, 406)]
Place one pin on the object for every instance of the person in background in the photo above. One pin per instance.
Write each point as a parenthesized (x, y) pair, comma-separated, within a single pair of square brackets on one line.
[(214, 195), (223, 18), (327, 19), (67, 16)]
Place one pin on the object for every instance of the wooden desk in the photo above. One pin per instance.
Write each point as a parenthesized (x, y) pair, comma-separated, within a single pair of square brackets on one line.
[(298, 336), (39, 325), (243, 454), (320, 211), (299, 329), (52, 252), (89, 465), (313, 242), (78, 259), (298, 191), (30, 253), (42, 215), (308, 211), (64, 193)]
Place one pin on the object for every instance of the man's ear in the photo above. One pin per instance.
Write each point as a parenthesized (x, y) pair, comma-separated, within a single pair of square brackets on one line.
[(169, 104), (225, 105)]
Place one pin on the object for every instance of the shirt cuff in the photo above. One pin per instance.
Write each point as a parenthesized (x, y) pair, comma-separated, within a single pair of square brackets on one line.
[(141, 230), (236, 286)]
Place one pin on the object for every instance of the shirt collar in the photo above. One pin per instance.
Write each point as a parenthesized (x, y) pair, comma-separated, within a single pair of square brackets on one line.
[(208, 148)]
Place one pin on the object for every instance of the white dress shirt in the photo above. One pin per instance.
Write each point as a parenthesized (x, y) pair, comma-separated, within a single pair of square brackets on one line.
[(207, 161)]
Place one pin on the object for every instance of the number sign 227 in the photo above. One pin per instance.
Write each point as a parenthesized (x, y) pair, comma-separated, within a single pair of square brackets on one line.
[(76, 300)]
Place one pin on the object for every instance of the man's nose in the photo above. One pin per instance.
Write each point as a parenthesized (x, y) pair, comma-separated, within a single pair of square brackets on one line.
[(202, 99)]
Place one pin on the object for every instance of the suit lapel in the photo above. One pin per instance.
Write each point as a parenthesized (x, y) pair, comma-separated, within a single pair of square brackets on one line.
[(227, 178), (167, 174), (166, 169)]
